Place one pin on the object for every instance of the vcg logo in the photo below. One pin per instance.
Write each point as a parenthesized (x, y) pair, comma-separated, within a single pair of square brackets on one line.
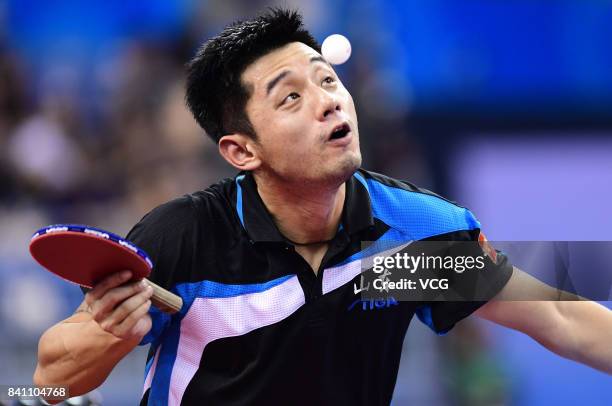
[(373, 304)]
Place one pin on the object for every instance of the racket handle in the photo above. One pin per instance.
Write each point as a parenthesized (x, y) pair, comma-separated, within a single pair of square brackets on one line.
[(165, 300)]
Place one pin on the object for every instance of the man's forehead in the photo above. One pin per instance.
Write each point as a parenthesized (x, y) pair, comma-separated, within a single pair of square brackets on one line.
[(292, 54)]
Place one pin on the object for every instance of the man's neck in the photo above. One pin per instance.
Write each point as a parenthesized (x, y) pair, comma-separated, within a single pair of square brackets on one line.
[(303, 215)]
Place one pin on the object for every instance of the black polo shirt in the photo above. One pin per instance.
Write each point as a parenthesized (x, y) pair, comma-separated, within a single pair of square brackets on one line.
[(258, 326)]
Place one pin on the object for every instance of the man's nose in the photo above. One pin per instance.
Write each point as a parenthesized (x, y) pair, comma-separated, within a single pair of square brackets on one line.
[(328, 104)]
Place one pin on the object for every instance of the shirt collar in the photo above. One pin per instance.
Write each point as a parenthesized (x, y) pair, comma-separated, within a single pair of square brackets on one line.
[(258, 223)]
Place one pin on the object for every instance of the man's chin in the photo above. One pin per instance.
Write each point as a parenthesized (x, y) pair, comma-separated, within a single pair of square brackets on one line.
[(345, 169), (351, 166)]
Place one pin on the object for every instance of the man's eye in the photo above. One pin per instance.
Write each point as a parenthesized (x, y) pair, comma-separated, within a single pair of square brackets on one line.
[(291, 96), (329, 80)]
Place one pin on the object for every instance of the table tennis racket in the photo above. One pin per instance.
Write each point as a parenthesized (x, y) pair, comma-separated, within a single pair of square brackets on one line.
[(86, 255)]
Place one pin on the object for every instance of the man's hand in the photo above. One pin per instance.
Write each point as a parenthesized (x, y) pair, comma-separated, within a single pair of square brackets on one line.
[(81, 351), (119, 308)]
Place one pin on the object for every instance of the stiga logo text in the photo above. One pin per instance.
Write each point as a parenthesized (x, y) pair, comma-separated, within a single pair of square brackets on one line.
[(373, 304)]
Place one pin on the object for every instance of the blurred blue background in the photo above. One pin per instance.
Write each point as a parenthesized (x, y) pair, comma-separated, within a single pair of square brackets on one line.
[(505, 107)]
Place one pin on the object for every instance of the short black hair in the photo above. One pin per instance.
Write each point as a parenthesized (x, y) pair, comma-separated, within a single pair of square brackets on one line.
[(214, 92)]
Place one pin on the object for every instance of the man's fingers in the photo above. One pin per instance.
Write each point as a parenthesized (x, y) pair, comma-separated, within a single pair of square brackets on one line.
[(126, 308), (127, 327), (142, 327), (106, 284), (119, 307), (113, 298)]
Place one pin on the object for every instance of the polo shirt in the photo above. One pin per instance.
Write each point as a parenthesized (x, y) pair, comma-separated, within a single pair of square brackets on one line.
[(258, 326)]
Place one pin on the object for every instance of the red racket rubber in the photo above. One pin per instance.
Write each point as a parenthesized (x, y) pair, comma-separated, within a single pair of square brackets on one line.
[(86, 255)]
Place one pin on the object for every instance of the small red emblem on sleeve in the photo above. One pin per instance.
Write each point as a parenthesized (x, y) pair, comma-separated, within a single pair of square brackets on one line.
[(488, 250)]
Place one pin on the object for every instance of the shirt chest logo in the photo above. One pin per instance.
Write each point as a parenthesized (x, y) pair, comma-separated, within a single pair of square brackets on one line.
[(373, 304)]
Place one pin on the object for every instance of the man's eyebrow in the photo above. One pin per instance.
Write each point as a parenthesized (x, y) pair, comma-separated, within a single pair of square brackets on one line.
[(281, 75), (275, 81), (318, 58)]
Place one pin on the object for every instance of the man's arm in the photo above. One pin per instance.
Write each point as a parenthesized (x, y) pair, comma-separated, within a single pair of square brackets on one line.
[(570, 327), (81, 351)]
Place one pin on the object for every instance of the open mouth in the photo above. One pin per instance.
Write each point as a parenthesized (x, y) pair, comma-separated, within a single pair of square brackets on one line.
[(339, 132)]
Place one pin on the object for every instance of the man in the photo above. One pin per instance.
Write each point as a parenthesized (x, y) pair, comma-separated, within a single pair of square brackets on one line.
[(267, 263)]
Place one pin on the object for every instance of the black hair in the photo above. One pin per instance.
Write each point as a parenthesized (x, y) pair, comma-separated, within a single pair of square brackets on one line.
[(215, 94)]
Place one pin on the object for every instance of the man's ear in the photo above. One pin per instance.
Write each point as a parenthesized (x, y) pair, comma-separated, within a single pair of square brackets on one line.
[(240, 151)]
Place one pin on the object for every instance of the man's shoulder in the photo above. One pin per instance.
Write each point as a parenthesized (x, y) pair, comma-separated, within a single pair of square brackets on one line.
[(386, 183), (192, 209), (404, 205)]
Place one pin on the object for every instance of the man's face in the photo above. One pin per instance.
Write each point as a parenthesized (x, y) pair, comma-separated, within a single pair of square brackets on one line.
[(303, 116)]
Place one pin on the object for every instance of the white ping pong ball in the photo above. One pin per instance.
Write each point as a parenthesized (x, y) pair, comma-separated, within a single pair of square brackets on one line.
[(336, 49)]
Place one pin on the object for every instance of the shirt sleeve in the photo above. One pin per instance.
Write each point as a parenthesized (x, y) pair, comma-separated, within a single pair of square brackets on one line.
[(469, 290)]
